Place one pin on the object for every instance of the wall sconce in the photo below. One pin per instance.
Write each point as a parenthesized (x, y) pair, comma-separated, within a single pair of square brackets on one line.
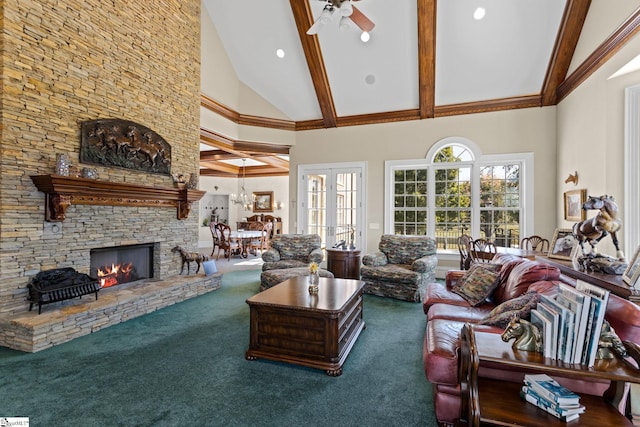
[(278, 205)]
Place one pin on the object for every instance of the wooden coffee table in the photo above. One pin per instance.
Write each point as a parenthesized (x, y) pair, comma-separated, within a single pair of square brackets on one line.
[(290, 325)]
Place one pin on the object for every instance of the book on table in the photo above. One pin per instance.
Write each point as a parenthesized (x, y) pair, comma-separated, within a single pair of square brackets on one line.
[(565, 337), (564, 414), (582, 306), (599, 300), (556, 339), (543, 323), (573, 310), (545, 386)]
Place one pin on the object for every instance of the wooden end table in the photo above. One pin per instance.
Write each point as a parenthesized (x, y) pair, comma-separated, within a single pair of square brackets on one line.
[(488, 401), (344, 263), (287, 324)]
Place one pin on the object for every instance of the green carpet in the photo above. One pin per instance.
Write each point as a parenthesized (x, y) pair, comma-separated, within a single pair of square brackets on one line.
[(184, 366)]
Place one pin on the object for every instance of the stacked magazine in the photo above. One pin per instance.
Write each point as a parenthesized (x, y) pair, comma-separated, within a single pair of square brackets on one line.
[(547, 394), (570, 322)]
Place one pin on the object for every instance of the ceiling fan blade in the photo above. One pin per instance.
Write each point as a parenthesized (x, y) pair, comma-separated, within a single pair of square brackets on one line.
[(361, 20), (325, 18), (315, 27)]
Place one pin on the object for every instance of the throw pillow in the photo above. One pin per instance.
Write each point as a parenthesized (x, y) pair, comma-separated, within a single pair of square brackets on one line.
[(520, 307), (478, 283)]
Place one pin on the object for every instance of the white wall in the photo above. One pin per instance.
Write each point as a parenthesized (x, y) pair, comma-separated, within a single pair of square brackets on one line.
[(591, 137), (529, 130)]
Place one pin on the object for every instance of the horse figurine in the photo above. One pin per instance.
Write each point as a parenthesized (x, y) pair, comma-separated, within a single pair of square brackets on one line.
[(188, 257), (527, 336), (605, 222)]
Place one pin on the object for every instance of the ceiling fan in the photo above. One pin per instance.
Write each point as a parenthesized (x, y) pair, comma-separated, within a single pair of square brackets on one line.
[(346, 11)]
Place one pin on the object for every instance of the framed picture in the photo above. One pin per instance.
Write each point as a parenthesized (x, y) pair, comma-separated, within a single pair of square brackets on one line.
[(632, 272), (564, 245), (573, 201), (263, 201)]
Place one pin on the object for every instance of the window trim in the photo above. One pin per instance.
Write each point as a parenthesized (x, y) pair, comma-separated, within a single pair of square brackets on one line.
[(525, 159)]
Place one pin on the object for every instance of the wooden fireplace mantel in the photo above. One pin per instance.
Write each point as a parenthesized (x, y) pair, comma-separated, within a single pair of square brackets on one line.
[(62, 191)]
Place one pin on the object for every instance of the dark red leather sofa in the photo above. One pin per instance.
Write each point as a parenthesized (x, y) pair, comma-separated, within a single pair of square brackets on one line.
[(447, 312)]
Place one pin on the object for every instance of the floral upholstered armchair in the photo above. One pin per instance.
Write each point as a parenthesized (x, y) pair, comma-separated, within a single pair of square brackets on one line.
[(291, 251), (402, 267)]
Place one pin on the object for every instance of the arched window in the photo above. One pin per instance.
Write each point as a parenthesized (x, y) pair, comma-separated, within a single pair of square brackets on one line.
[(457, 190)]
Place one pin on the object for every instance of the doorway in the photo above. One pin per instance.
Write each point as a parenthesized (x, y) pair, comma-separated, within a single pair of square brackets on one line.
[(332, 200)]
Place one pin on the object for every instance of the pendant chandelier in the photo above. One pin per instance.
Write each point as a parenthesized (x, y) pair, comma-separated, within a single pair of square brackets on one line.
[(243, 198)]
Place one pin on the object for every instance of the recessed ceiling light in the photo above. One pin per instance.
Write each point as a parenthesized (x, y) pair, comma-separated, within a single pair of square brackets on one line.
[(280, 53), (370, 79), (365, 36), (479, 13)]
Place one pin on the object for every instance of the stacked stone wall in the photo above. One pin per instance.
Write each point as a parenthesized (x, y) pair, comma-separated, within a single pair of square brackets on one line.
[(68, 61)]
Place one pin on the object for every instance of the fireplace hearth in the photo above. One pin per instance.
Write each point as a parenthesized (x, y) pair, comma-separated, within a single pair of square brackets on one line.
[(121, 264)]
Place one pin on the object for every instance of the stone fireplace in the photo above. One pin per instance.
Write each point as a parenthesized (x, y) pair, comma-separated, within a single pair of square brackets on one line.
[(54, 80)]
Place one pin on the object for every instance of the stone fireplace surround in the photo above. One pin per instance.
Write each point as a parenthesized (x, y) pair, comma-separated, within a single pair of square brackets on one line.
[(66, 62), (104, 214)]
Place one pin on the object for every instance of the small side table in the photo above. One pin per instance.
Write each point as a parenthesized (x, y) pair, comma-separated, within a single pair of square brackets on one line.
[(344, 263)]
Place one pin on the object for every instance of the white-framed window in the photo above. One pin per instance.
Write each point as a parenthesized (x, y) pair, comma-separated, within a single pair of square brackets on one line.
[(457, 190)]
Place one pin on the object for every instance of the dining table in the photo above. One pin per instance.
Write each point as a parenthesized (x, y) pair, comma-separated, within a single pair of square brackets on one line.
[(244, 237)]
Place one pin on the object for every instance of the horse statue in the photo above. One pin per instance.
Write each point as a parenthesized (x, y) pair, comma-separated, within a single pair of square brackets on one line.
[(527, 336), (605, 222), (188, 257)]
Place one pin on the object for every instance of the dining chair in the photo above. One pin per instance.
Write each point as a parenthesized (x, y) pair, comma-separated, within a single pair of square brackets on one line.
[(262, 243), (535, 243), (463, 247), (215, 234), (228, 245), (481, 250), (256, 225)]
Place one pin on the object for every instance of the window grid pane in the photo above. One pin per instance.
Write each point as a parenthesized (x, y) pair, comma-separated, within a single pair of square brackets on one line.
[(500, 204), (452, 205), (410, 202)]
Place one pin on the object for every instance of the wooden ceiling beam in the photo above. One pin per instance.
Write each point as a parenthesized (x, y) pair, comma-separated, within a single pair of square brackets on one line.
[(311, 47), (571, 25), (226, 168), (625, 32), (426, 57), (226, 148), (262, 173)]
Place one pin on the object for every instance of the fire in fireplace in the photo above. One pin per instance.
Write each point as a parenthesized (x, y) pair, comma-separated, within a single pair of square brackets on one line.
[(121, 264)]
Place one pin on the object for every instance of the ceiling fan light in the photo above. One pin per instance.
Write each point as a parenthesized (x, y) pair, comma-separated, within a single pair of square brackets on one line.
[(365, 36), (344, 23), (346, 9), (326, 14)]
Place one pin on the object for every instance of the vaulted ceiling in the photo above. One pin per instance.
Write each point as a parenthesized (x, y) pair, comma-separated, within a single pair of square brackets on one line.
[(424, 59)]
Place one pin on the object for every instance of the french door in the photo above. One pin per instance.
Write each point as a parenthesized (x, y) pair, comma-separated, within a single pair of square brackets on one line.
[(331, 202)]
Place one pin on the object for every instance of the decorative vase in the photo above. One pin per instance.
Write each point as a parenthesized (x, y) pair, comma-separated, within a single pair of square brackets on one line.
[(314, 278), (62, 164)]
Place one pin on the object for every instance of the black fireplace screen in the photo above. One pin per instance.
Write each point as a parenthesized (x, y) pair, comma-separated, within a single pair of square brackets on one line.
[(121, 264)]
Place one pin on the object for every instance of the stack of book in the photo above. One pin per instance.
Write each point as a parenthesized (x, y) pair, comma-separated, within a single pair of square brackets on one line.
[(570, 322), (547, 394)]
